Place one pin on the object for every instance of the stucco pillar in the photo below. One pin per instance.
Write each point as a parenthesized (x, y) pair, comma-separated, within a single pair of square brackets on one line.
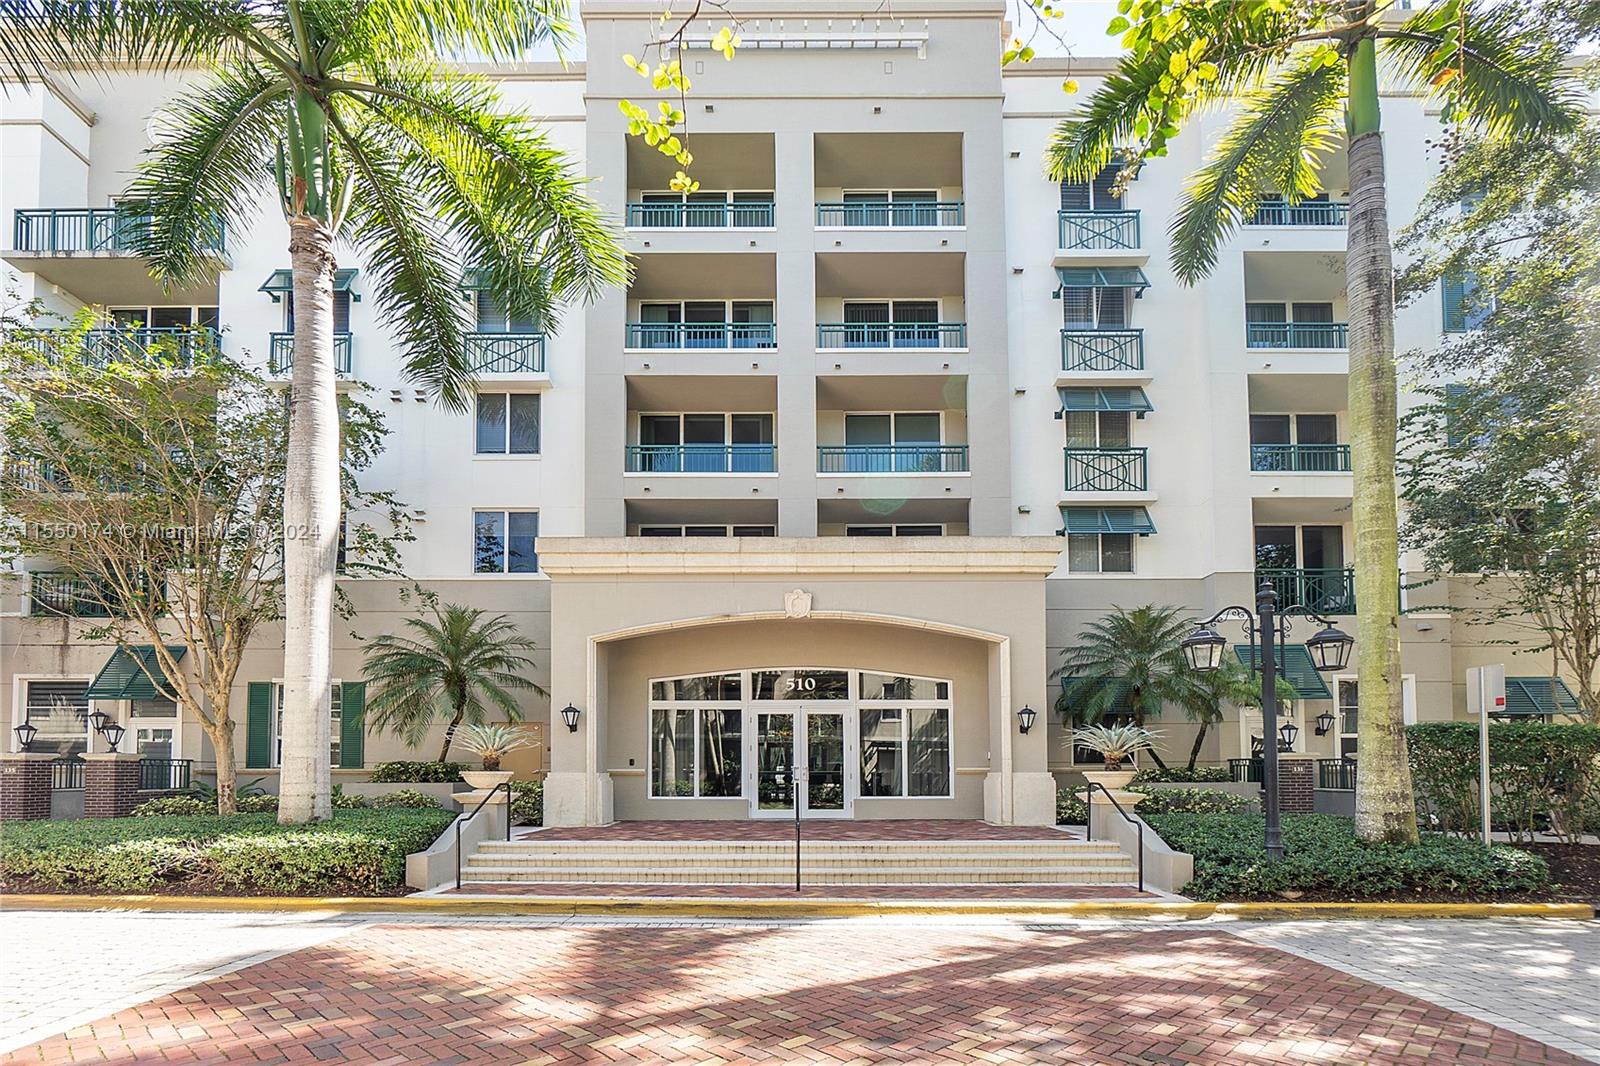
[(577, 791)]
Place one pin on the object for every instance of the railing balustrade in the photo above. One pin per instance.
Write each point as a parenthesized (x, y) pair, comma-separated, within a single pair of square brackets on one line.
[(1326, 590), (1099, 230), (1102, 349), (85, 229), (1336, 774), (282, 355), (66, 773), (67, 595), (504, 353), (1306, 213), (164, 775), (701, 459), (752, 215), (1300, 458), (835, 335), (103, 345), (886, 214), (1246, 771), (684, 335), (1107, 469), (892, 459), (1297, 335)]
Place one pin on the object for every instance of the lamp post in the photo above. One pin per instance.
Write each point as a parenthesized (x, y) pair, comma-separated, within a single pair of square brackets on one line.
[(1329, 650)]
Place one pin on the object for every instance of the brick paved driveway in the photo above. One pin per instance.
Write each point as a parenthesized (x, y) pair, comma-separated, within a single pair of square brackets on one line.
[(458, 991)]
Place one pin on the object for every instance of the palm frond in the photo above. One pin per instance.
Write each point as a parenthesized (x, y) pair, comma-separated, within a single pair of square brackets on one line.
[(1272, 146), (424, 29)]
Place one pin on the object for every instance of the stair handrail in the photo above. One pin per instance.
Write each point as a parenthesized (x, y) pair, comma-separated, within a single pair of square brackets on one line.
[(1137, 823), (474, 813)]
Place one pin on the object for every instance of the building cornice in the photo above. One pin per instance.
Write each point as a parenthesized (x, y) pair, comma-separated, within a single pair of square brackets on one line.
[(780, 556), (808, 9)]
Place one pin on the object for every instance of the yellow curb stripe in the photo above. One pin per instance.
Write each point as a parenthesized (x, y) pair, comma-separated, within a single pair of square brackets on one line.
[(790, 908)]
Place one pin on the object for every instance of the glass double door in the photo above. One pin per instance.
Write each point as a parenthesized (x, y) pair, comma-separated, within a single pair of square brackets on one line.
[(804, 750)]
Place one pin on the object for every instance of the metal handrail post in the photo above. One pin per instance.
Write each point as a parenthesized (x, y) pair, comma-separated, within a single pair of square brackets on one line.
[(1137, 823)]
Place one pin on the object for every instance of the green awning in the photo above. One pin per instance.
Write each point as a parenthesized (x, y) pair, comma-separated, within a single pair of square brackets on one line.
[(123, 678), (1294, 666), (1107, 520), (1109, 277), (282, 281), (1531, 697), (1099, 399)]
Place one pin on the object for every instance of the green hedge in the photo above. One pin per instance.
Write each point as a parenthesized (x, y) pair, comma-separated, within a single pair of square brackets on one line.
[(1323, 858), (406, 773), (1542, 777), (1181, 775), (527, 802), (1192, 801), (357, 853), (1071, 807)]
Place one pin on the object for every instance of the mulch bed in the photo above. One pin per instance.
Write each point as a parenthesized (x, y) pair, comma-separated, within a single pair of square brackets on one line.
[(1575, 868)]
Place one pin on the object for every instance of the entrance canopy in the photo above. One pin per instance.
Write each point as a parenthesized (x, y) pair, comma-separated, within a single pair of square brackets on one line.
[(127, 674)]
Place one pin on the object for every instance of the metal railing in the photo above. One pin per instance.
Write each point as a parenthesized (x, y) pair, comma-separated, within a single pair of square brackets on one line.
[(1102, 349), (752, 215), (462, 819), (1106, 470), (282, 356), (1328, 591), (100, 346), (66, 773), (1246, 771), (1096, 230), (164, 775), (892, 459), (702, 459), (1300, 458), (702, 335), (834, 335), (1137, 823), (1305, 213), (85, 229), (1297, 334), (504, 353), (68, 596), (906, 213), (1338, 775)]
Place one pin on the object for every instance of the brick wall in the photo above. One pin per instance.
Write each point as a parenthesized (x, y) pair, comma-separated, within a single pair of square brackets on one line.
[(110, 785), (24, 786), (1297, 781)]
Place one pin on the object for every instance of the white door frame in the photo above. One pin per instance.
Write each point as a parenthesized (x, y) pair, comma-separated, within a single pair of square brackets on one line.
[(798, 711)]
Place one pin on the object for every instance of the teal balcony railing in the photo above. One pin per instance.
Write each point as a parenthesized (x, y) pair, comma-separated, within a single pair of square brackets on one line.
[(1328, 591), (112, 344), (1245, 771), (1336, 774), (68, 595), (1297, 335), (1300, 458), (164, 775), (1102, 349), (892, 459), (834, 335), (1107, 470), (1305, 213), (702, 335), (755, 215), (702, 459), (85, 229), (884, 214), (282, 357), (504, 353), (1099, 230)]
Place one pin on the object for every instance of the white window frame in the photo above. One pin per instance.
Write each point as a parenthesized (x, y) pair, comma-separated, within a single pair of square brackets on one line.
[(894, 531), (335, 738), (506, 435), (1408, 705), (727, 529), (19, 704), (505, 556), (1100, 554)]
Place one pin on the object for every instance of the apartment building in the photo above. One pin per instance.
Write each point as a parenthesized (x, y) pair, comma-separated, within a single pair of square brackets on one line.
[(882, 420)]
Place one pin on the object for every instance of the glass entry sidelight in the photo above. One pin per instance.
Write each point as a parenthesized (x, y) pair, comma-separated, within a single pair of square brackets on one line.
[(817, 754)]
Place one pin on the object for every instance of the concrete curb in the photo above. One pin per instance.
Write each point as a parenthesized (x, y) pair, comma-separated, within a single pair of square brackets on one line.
[(667, 907)]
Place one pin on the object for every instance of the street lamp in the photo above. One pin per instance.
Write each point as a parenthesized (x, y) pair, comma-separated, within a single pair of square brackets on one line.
[(1288, 732), (113, 734), (1025, 719), (1329, 650)]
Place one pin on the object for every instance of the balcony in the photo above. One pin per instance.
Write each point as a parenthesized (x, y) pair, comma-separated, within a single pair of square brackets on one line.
[(1328, 591), (692, 215), (892, 459), (1300, 458), (684, 336), (100, 346), (702, 459), (85, 229), (900, 214), (282, 354), (1325, 335), (67, 596), (1106, 470), (924, 335), (1306, 213), (93, 254), (499, 353), (1098, 230), (1099, 350)]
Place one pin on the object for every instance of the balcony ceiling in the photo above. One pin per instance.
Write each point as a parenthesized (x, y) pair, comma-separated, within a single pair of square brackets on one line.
[(721, 161), (703, 512), (111, 279), (888, 160), (699, 394), (1289, 276), (892, 275), (1306, 511), (897, 393), (1298, 393), (704, 276), (888, 509)]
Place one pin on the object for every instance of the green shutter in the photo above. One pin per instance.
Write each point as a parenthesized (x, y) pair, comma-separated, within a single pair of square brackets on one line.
[(352, 725), (1455, 299), (258, 726)]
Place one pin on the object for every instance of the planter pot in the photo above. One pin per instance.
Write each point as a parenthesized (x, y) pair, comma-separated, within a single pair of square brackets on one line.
[(1113, 780), (486, 779)]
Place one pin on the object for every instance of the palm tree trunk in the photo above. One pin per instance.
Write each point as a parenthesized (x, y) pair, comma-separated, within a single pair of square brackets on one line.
[(1138, 720), (1385, 808), (1199, 739), (311, 531), (450, 733)]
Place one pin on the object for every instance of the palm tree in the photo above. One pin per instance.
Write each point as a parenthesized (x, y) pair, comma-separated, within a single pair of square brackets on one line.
[(375, 143), (460, 666), (1301, 73), (1207, 691)]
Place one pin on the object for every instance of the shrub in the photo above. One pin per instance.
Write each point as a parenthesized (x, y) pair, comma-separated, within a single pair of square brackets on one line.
[(405, 798), (350, 802), (183, 805), (1071, 807), (1323, 857), (358, 852), (402, 773), (266, 803), (1181, 775), (527, 802), (1541, 776), (1192, 801)]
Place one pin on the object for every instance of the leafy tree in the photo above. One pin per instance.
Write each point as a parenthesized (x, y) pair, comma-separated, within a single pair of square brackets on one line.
[(154, 486), (461, 665), (1305, 77), (373, 141), (1501, 467)]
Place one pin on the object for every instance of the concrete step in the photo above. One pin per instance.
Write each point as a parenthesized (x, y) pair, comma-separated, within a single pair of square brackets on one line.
[(821, 861), (1109, 874)]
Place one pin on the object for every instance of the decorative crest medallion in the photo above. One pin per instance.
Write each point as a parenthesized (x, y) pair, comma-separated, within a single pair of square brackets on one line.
[(797, 604)]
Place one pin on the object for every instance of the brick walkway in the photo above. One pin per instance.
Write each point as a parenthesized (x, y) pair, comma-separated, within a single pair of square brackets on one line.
[(782, 829), (818, 992)]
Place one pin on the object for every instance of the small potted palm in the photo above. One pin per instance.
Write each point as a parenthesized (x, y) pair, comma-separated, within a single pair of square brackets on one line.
[(1114, 743), (491, 743)]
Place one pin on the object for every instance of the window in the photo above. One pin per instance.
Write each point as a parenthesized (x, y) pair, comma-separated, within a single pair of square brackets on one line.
[(1349, 719), (508, 423), (902, 530), (1466, 305), (1097, 195), (696, 737), (335, 701), (901, 207), (1100, 553), (707, 531), (706, 443), (341, 311), (1098, 429), (503, 542), (905, 751), (59, 710), (705, 324), (493, 317), (1083, 308), (163, 317)]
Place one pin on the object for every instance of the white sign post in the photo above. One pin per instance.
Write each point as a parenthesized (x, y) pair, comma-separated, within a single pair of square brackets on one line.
[(1486, 695)]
